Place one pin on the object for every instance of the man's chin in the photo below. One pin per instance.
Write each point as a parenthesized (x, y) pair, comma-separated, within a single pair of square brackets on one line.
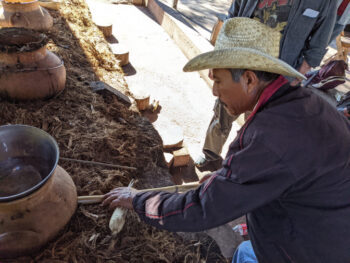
[(230, 112)]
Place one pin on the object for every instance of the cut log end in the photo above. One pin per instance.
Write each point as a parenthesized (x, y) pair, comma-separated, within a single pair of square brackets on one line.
[(121, 53), (181, 157), (142, 103), (138, 2), (169, 159), (105, 27), (142, 98)]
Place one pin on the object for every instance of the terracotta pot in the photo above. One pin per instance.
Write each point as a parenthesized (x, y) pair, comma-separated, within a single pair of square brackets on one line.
[(25, 14), (33, 216), (27, 70)]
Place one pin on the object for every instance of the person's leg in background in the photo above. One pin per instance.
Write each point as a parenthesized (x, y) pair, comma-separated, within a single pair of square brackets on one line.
[(342, 20), (245, 253), (216, 136)]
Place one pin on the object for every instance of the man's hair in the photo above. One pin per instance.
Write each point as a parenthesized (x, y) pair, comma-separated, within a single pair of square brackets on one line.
[(262, 75)]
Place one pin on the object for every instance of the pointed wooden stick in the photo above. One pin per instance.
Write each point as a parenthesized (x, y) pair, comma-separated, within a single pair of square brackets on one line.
[(95, 199)]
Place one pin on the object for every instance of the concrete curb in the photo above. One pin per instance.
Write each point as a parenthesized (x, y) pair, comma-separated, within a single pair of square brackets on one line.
[(190, 42), (186, 38)]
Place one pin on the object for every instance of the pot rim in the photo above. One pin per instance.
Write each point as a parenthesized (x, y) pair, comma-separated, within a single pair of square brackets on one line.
[(39, 40), (18, 2), (47, 177)]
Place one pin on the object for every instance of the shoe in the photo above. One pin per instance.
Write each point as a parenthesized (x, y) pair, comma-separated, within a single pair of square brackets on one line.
[(201, 161), (207, 165)]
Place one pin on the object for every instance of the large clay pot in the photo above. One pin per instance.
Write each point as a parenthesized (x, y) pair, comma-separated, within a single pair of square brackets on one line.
[(28, 71), (34, 215), (28, 14)]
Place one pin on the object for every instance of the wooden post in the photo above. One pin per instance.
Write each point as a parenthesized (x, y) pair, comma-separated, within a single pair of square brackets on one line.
[(142, 98), (181, 157), (121, 53), (175, 4), (105, 26), (169, 159), (216, 29), (138, 2)]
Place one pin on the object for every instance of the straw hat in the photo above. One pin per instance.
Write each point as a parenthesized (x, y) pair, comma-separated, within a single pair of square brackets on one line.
[(245, 43)]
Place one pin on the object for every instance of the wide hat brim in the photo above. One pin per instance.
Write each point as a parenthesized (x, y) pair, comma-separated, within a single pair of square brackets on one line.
[(241, 58)]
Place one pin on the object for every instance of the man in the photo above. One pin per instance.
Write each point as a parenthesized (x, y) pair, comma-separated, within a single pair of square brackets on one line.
[(343, 18), (306, 26), (288, 169)]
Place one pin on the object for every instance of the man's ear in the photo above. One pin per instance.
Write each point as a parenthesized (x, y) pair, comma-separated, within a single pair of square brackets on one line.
[(250, 81)]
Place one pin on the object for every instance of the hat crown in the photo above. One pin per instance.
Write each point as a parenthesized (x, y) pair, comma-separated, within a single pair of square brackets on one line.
[(248, 33)]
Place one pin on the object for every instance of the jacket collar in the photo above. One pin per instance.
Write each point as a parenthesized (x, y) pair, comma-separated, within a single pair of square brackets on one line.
[(268, 92)]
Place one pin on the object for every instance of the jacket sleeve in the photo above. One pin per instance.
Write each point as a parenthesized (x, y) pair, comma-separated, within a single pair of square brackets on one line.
[(316, 44), (248, 179)]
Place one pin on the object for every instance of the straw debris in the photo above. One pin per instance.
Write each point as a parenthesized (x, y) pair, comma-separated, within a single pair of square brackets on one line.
[(95, 127)]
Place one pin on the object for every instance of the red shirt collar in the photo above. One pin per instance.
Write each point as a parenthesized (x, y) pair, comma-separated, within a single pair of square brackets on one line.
[(267, 93)]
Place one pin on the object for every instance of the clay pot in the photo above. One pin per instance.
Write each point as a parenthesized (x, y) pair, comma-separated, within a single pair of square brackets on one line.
[(25, 14), (33, 216), (28, 70)]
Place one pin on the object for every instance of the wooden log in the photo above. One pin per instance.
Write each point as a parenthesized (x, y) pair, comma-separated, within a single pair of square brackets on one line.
[(138, 2), (105, 27), (174, 5), (121, 53), (216, 29), (171, 134), (142, 101), (181, 157), (169, 159), (141, 96)]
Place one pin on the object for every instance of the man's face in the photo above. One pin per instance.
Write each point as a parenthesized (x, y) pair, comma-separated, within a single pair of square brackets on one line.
[(237, 97)]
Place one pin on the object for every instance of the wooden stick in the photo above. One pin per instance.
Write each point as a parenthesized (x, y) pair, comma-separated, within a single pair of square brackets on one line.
[(98, 163), (95, 199)]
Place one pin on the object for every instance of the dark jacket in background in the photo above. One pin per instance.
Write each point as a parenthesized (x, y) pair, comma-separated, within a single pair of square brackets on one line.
[(304, 37), (288, 170)]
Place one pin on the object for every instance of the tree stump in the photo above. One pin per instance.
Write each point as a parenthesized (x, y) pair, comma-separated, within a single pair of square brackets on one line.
[(181, 157), (141, 98), (138, 2), (105, 27), (169, 159), (171, 134), (121, 53)]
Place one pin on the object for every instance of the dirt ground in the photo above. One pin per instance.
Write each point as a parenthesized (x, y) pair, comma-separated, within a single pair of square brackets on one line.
[(99, 127)]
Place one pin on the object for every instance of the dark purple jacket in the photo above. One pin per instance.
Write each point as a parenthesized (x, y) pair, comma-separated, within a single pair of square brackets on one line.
[(288, 170)]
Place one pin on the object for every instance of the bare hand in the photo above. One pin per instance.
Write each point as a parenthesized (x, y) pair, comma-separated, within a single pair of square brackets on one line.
[(120, 197)]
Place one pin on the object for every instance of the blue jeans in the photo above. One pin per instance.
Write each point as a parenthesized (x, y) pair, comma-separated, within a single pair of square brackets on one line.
[(244, 253)]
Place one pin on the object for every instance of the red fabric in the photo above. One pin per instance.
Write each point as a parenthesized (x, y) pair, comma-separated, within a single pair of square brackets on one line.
[(268, 92), (342, 7), (264, 97)]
